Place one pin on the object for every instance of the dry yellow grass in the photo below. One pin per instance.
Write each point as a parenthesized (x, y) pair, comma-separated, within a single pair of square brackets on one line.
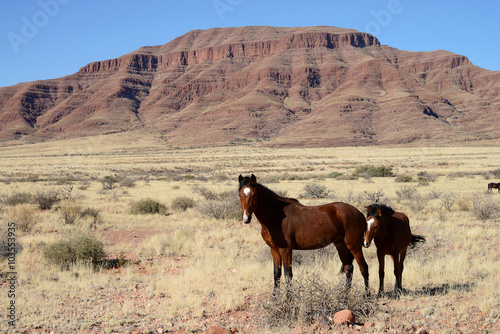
[(187, 268)]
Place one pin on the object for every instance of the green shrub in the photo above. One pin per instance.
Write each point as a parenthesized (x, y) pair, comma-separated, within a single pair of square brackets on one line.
[(372, 171), (83, 248), (425, 178), (17, 198), (404, 178), (147, 206), (182, 203), (334, 175)]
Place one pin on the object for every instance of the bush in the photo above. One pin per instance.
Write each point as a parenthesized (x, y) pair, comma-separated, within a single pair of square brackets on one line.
[(206, 193), (406, 193), (425, 178), (372, 171), (83, 248), (70, 211), (312, 300), (374, 196), (314, 190), (109, 182), (24, 216), (484, 208), (448, 199), (94, 214), (182, 203), (334, 175), (46, 199), (418, 202), (147, 206), (225, 205), (496, 173), (127, 182), (404, 179), (464, 204), (17, 198)]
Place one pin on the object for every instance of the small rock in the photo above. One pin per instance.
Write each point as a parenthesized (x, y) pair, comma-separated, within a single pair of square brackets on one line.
[(421, 330), (343, 317), (369, 324), (218, 330)]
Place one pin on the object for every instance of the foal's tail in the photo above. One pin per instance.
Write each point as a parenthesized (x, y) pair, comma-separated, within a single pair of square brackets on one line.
[(415, 238)]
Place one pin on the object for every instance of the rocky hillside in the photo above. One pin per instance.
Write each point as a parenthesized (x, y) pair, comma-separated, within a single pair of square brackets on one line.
[(308, 86)]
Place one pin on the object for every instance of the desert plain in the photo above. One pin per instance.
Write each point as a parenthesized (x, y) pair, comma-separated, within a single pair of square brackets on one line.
[(192, 264)]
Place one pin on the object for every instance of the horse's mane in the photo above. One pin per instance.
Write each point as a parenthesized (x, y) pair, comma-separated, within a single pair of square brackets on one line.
[(371, 210), (246, 182)]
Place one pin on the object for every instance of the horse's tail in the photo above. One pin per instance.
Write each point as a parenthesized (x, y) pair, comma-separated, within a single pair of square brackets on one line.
[(415, 239)]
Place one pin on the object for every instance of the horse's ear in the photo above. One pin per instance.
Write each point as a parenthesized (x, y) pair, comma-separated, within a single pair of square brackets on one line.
[(253, 179), (240, 178), (379, 212)]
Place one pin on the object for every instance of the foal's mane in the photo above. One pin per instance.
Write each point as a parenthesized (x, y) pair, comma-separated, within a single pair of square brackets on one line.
[(246, 182), (371, 210)]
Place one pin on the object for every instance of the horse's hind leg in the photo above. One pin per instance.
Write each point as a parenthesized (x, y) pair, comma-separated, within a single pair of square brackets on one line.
[(398, 271), (363, 266), (381, 265), (346, 257), (350, 261), (402, 256)]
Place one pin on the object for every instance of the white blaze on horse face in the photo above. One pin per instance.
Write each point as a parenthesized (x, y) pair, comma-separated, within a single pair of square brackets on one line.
[(370, 223), (246, 191)]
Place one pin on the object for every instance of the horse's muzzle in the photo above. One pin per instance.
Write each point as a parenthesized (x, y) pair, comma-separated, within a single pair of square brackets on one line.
[(366, 244), (247, 219)]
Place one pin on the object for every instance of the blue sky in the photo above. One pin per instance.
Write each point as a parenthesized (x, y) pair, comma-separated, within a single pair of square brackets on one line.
[(43, 39)]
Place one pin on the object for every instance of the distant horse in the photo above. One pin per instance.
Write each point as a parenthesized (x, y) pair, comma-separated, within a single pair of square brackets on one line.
[(392, 235), (288, 225), (492, 186)]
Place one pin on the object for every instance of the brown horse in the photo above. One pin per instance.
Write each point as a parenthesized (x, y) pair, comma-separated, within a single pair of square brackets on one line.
[(288, 225), (492, 186), (392, 234)]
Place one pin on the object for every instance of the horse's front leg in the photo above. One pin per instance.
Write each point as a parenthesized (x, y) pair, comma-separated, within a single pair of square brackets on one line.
[(286, 256), (277, 268)]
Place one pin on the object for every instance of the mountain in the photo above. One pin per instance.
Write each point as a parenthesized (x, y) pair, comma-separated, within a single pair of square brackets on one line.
[(306, 86)]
